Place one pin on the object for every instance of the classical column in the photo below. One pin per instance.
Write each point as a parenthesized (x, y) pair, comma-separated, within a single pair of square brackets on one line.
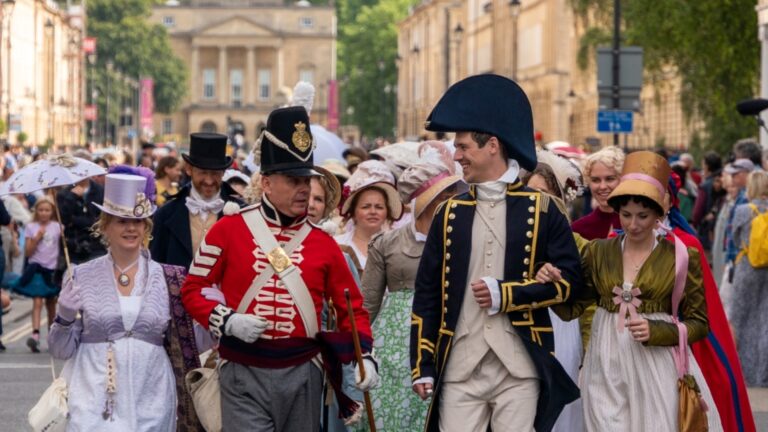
[(250, 81), (195, 75), (223, 76), (279, 69)]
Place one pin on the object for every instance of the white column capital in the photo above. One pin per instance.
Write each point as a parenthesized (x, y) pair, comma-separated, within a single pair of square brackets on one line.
[(223, 76)]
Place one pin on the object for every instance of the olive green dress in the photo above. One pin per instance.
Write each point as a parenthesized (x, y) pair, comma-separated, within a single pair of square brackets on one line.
[(628, 385)]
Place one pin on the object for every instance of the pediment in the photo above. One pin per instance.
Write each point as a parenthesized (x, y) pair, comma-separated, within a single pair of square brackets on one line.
[(236, 26)]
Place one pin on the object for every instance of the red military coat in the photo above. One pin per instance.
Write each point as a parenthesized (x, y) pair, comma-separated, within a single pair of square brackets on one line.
[(229, 257)]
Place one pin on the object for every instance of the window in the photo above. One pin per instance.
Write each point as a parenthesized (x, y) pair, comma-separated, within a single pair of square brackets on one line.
[(306, 22), (307, 74), (169, 21), (236, 87), (265, 79), (209, 83), (167, 126)]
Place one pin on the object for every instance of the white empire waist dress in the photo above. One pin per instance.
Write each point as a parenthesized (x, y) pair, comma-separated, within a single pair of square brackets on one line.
[(143, 369)]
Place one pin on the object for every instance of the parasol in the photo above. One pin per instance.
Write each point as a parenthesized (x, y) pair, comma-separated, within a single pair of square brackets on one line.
[(58, 170), (51, 172), (329, 145)]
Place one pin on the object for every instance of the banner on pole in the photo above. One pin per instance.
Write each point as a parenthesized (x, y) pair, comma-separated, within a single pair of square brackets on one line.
[(89, 45), (90, 112), (147, 106), (333, 105)]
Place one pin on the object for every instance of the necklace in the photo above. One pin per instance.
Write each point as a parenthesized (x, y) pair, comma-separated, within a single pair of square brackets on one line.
[(635, 265), (123, 279)]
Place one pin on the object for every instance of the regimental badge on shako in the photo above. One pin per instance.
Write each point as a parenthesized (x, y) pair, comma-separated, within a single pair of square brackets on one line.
[(301, 138)]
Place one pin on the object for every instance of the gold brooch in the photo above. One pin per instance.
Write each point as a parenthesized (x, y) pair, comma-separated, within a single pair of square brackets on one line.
[(278, 259), (301, 138)]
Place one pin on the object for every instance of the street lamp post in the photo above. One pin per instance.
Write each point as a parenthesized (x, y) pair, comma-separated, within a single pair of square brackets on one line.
[(107, 130), (91, 93), (514, 10), (7, 10), (51, 99)]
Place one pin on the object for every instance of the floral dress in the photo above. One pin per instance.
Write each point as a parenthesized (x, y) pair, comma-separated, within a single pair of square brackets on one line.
[(388, 281)]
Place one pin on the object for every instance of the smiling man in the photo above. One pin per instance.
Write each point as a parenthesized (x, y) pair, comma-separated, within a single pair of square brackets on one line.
[(481, 338), (181, 223), (275, 270)]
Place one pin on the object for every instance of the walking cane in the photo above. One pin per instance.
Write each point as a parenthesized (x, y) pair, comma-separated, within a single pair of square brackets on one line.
[(359, 359)]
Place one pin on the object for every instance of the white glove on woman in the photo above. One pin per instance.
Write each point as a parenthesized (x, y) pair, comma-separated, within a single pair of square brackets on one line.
[(245, 327), (371, 376), (69, 301)]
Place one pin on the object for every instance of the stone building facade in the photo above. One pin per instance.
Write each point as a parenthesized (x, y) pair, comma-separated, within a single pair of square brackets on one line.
[(536, 43), (41, 72), (244, 58)]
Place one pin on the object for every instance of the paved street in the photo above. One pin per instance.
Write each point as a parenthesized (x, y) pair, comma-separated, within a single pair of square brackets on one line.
[(24, 376)]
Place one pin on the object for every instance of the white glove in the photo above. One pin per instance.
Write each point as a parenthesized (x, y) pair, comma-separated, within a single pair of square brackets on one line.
[(245, 327), (371, 376)]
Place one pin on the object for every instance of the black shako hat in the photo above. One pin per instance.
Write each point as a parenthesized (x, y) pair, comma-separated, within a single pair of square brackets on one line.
[(489, 104), (208, 151), (286, 144)]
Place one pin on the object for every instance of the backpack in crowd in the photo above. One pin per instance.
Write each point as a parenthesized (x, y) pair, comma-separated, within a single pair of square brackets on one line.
[(757, 251)]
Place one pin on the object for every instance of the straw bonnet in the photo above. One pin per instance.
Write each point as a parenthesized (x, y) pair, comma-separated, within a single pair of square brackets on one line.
[(645, 174), (125, 197), (337, 168), (368, 174), (334, 188), (427, 178)]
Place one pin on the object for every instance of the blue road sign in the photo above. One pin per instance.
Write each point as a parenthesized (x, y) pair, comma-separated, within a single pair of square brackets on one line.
[(614, 121)]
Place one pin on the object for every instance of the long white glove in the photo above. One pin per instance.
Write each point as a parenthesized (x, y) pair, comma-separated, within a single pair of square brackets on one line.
[(371, 376), (245, 327)]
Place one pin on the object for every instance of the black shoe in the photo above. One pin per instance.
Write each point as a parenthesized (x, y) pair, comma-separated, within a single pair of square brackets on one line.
[(2, 347), (33, 345)]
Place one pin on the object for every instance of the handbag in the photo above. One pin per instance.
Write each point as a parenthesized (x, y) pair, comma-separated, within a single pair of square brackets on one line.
[(203, 383), (692, 410), (51, 413)]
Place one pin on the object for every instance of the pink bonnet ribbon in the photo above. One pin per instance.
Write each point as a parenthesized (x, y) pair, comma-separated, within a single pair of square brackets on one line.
[(646, 178), (628, 302), (428, 184)]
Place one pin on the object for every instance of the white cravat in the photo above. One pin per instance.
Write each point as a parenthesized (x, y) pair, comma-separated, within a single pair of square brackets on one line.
[(496, 190), (197, 205)]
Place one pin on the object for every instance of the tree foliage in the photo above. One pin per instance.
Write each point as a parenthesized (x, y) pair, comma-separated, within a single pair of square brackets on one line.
[(138, 49), (367, 52), (712, 46)]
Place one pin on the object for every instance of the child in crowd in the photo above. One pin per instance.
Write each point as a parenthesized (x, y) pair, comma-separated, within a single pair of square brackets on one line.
[(41, 248)]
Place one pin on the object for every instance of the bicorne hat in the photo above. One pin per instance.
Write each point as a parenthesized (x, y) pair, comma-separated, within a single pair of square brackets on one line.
[(489, 104), (208, 151), (286, 145), (125, 197)]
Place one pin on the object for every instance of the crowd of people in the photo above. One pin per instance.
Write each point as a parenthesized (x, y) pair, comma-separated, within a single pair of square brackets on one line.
[(492, 284)]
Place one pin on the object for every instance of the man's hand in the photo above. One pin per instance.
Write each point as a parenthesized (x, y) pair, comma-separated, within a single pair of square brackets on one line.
[(482, 294), (245, 327), (424, 390)]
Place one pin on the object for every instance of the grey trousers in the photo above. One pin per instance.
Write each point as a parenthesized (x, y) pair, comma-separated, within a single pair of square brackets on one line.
[(270, 400)]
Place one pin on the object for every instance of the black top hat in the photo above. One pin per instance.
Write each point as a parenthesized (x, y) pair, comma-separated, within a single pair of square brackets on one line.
[(287, 143), (489, 104), (208, 151)]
